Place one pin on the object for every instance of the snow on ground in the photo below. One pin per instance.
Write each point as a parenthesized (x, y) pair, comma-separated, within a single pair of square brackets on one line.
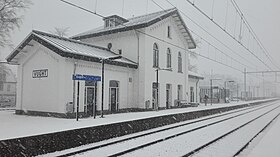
[(269, 144), (14, 126)]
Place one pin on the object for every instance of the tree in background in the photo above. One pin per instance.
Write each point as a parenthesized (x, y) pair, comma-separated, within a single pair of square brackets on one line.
[(62, 32), (10, 18)]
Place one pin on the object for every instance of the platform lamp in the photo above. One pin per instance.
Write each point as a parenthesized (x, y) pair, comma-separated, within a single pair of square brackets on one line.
[(103, 60)]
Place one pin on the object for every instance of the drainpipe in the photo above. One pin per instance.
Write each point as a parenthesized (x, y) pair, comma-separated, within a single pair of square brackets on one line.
[(138, 58), (196, 90)]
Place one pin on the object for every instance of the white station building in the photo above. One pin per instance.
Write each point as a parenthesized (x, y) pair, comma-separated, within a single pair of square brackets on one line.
[(158, 41)]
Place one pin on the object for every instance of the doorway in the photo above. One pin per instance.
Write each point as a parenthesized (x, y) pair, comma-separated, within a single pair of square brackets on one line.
[(90, 97), (168, 95), (155, 96), (114, 96)]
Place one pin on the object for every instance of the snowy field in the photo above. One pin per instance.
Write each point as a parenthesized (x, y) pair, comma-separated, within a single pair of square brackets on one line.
[(14, 126)]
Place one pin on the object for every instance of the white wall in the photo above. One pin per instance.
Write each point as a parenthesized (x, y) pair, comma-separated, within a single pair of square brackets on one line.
[(117, 73), (40, 94), (129, 42), (126, 41), (173, 77)]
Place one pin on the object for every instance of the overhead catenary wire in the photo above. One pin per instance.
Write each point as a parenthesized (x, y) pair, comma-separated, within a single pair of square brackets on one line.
[(253, 33), (162, 40), (241, 57), (209, 44), (219, 26), (157, 38)]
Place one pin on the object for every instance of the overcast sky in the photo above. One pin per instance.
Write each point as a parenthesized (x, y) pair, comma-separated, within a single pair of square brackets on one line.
[(263, 16)]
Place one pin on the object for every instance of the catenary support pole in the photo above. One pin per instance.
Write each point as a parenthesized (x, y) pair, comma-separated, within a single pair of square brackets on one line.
[(78, 100), (102, 84), (157, 102), (245, 92)]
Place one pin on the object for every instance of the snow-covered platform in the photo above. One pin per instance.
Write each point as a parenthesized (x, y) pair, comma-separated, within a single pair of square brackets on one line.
[(42, 133), (16, 126)]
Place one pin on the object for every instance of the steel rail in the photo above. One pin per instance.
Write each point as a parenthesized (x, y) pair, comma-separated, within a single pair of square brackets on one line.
[(228, 133), (165, 129), (181, 133)]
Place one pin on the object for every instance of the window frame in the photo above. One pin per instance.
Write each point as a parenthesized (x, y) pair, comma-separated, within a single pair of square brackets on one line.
[(155, 55), (168, 58), (180, 62)]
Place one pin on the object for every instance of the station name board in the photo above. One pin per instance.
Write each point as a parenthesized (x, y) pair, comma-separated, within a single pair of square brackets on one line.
[(40, 73), (86, 77)]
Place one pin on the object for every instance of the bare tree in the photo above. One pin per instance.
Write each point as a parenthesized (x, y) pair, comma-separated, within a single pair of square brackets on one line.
[(62, 32), (10, 18)]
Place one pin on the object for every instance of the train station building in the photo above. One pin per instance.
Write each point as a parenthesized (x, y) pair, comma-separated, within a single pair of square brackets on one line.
[(152, 72)]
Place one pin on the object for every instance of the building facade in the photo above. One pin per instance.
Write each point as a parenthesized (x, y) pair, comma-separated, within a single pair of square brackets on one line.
[(152, 73)]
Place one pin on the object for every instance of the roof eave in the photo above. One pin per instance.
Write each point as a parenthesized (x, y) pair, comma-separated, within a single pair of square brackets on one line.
[(128, 28), (62, 53)]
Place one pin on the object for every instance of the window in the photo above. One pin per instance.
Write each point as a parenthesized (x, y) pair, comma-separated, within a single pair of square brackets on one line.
[(1, 86), (3, 76), (155, 55), (180, 62), (106, 23), (192, 94), (179, 92), (168, 65), (8, 88), (168, 32)]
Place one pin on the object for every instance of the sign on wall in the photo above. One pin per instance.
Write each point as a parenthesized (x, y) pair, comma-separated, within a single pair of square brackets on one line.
[(86, 77), (40, 73)]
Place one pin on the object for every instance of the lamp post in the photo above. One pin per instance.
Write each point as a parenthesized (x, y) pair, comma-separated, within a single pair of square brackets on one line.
[(157, 69), (226, 89), (211, 90), (103, 60)]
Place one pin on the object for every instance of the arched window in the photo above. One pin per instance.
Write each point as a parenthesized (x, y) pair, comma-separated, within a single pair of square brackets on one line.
[(168, 53), (180, 62), (155, 55)]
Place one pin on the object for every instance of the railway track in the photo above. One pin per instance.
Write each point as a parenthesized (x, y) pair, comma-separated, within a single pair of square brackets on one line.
[(231, 137), (221, 118)]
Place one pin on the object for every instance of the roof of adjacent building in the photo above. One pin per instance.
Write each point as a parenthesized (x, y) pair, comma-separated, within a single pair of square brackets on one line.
[(194, 75), (142, 22), (71, 49)]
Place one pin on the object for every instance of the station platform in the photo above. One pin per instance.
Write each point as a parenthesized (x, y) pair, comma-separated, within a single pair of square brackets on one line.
[(40, 134)]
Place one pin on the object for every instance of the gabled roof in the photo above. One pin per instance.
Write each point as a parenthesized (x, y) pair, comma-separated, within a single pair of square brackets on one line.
[(142, 22), (71, 49)]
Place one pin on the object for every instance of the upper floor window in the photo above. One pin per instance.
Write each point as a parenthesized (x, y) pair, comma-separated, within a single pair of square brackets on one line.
[(180, 62), (168, 31), (1, 86), (3, 76), (155, 55), (168, 65)]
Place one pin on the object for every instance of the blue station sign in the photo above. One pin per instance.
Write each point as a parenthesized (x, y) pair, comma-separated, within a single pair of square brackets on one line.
[(86, 77)]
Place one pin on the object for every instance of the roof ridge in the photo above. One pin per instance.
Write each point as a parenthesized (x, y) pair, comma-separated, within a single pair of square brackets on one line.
[(151, 13), (78, 42), (67, 39)]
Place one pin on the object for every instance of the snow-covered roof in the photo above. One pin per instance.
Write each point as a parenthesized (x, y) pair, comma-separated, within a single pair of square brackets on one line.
[(142, 22), (72, 49), (195, 75)]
